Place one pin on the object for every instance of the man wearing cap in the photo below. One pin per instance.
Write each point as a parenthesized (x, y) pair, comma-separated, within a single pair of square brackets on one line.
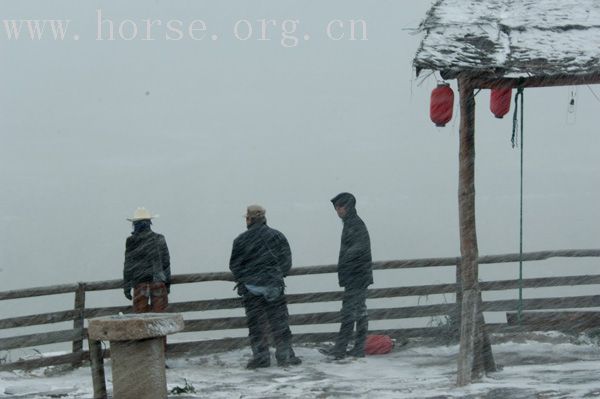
[(147, 266), (260, 259), (355, 274)]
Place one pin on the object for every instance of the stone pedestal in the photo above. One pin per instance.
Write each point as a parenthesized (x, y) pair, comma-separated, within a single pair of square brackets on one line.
[(137, 351)]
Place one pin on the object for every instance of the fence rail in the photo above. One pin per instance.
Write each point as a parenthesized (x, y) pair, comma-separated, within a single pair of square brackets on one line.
[(78, 334)]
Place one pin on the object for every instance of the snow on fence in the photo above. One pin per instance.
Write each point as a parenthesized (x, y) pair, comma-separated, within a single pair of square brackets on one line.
[(78, 334)]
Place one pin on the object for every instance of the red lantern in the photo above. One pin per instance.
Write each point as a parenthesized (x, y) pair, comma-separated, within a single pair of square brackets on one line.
[(500, 101), (442, 103)]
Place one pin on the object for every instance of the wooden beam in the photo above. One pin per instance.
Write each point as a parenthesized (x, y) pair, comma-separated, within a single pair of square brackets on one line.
[(456, 315), (44, 361), (540, 282), (38, 291), (97, 368), (233, 303), (466, 188), (574, 302), (78, 321), (301, 271), (46, 338), (483, 343), (474, 344), (573, 321), (468, 331), (34, 320), (487, 82), (468, 236), (540, 255), (225, 323)]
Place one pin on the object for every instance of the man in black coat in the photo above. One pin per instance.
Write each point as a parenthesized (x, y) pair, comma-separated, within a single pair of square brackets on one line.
[(147, 266), (355, 274), (260, 259)]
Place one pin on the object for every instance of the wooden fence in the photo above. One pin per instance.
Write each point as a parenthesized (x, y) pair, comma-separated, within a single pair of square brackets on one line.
[(78, 334)]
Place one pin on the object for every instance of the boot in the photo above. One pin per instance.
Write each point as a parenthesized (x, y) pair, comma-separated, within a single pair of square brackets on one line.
[(285, 355), (362, 328), (258, 362), (261, 357), (334, 352), (290, 361), (341, 343)]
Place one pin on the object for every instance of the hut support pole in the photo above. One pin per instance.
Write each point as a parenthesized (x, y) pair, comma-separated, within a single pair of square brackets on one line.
[(475, 354)]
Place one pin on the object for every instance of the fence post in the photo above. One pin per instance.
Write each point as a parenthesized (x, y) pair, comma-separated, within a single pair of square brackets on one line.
[(78, 321), (97, 366), (459, 299)]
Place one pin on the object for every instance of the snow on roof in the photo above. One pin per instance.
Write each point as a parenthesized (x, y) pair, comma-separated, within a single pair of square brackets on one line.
[(511, 38)]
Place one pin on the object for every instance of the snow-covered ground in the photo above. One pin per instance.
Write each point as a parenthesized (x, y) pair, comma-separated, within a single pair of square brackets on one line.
[(551, 366)]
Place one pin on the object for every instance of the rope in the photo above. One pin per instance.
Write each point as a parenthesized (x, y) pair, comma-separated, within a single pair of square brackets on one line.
[(594, 93), (514, 141)]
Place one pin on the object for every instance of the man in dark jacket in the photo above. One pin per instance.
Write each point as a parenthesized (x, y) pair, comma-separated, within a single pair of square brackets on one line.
[(260, 259), (147, 266), (355, 274)]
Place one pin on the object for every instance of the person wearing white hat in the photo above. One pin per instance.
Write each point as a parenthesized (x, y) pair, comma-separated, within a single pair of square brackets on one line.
[(147, 266)]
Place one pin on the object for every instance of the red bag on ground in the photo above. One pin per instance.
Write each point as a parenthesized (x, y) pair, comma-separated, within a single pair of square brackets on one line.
[(378, 344)]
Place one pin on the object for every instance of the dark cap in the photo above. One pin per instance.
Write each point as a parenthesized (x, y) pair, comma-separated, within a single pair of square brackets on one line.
[(344, 199)]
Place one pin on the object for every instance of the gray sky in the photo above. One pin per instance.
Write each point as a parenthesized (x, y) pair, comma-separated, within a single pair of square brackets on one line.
[(197, 130)]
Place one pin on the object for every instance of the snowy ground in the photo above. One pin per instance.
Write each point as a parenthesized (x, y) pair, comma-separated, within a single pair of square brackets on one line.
[(552, 366)]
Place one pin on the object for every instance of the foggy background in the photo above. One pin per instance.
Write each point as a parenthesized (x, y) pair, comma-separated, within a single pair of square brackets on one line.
[(197, 130)]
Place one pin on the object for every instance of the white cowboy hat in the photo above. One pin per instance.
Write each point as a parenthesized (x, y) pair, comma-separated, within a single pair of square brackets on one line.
[(141, 213)]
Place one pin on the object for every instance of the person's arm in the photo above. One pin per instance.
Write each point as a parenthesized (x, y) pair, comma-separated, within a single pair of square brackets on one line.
[(235, 260), (166, 261), (128, 270), (236, 265), (284, 255)]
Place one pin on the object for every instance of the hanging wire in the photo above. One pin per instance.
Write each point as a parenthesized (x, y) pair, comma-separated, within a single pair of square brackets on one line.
[(571, 106), (572, 96), (424, 78), (515, 130), (593, 93), (514, 141)]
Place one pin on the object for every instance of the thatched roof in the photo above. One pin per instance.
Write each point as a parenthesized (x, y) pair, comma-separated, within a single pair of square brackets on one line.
[(511, 38)]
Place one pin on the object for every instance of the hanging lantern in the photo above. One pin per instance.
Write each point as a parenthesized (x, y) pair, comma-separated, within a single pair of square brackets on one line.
[(500, 101), (441, 105)]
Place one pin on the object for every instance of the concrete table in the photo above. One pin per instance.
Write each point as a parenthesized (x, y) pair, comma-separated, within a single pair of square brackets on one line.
[(137, 351)]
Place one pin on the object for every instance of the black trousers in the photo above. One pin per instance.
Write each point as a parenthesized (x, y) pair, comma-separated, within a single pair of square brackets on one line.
[(263, 316), (354, 312)]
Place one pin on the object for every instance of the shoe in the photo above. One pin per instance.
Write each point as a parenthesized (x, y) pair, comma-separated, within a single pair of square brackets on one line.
[(331, 352), (256, 363), (292, 361), (326, 351), (355, 352)]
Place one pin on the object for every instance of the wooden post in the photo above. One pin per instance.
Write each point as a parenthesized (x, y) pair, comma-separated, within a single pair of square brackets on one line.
[(78, 320), (472, 331), (97, 367), (487, 357), (459, 299)]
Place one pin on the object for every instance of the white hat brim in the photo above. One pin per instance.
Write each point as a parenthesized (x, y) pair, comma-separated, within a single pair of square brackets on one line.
[(138, 219)]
